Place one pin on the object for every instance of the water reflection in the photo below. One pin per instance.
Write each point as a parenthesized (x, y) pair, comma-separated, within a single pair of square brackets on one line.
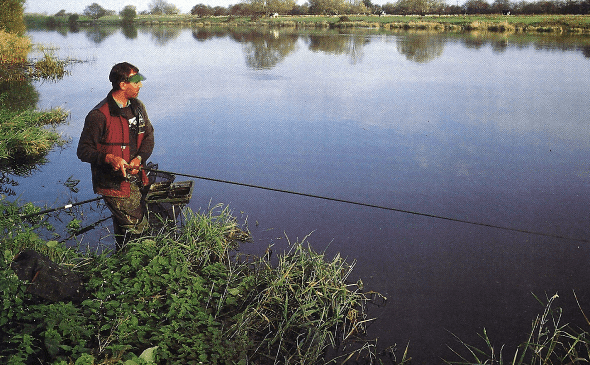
[(16, 96), (19, 95), (7, 183), (421, 47), (98, 34), (74, 27), (265, 50), (163, 35), (206, 33), (129, 31), (501, 42), (500, 46), (351, 46), (24, 146)]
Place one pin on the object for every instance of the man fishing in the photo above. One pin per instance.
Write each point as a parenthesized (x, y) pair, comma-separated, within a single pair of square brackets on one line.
[(116, 140)]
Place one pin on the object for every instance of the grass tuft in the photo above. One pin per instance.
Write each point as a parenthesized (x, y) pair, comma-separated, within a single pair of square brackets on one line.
[(29, 133)]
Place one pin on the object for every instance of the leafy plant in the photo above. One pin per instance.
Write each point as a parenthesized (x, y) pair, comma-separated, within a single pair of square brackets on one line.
[(179, 297)]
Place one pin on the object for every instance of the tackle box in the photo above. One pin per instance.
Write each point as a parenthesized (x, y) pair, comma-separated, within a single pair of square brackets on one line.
[(170, 192)]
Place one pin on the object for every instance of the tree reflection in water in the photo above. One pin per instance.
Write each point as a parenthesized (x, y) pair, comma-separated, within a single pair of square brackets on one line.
[(266, 49), (98, 34), (351, 46), (421, 47)]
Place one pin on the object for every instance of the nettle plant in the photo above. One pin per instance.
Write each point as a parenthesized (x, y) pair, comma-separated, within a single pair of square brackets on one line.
[(179, 297)]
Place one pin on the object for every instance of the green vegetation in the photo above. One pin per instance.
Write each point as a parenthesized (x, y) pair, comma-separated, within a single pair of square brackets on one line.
[(185, 296), (26, 134), (23, 134), (11, 16), (494, 23), (258, 8), (13, 48), (178, 297), (128, 14)]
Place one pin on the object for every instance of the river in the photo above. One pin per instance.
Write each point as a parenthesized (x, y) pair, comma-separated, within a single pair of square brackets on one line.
[(487, 129)]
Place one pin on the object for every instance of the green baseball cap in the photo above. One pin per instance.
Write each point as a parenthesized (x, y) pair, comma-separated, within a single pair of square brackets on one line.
[(136, 78)]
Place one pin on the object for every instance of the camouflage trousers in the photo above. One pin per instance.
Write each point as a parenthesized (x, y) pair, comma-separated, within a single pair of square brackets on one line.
[(129, 216)]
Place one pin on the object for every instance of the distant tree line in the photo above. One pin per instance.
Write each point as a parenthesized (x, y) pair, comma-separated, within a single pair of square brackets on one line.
[(399, 7), (340, 7)]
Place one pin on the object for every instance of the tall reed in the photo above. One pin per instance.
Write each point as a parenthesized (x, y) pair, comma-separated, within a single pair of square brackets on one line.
[(13, 48), (29, 133), (305, 305)]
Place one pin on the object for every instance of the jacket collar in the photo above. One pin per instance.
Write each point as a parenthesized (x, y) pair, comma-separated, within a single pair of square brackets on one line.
[(114, 107)]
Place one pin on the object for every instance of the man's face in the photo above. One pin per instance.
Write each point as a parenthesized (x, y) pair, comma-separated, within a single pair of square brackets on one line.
[(131, 89)]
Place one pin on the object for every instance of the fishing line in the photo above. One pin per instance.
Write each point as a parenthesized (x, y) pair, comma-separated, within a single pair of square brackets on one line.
[(526, 231)]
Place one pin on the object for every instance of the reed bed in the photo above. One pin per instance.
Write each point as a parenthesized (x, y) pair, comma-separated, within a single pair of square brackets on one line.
[(211, 235), (49, 68), (13, 48), (305, 305), (26, 135), (29, 133)]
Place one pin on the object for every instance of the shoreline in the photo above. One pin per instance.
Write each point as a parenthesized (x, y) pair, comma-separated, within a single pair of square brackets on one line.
[(543, 24)]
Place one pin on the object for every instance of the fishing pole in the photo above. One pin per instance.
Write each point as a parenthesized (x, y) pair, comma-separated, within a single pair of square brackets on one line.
[(526, 231), (67, 206), (85, 229)]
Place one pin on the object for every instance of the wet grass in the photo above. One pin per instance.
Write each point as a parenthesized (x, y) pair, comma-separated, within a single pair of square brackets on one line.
[(29, 133), (305, 305), (48, 67)]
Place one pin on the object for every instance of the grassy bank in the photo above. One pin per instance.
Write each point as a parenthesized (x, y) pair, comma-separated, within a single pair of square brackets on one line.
[(28, 134), (183, 297), (178, 297), (25, 133), (499, 23)]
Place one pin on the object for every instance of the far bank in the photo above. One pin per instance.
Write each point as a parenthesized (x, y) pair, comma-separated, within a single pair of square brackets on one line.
[(552, 24)]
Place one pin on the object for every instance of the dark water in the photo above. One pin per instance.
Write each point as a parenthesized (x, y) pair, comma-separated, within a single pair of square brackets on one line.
[(492, 130)]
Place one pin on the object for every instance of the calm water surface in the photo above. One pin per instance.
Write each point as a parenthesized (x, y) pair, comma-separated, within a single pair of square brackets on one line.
[(486, 130)]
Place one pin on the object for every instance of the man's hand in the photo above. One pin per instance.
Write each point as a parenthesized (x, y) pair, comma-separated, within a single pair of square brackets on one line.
[(134, 165), (117, 162)]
